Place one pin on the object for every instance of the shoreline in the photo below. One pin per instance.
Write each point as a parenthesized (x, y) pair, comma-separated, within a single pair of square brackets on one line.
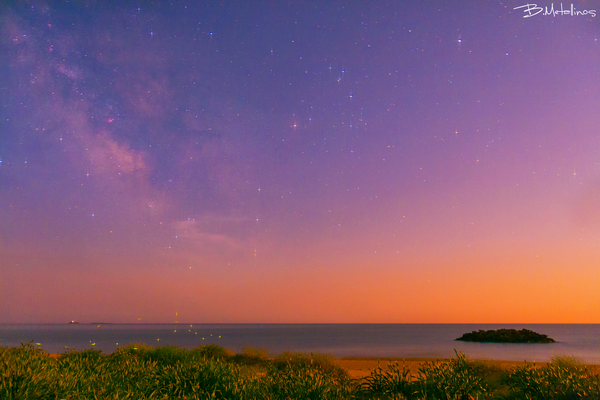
[(361, 367), (388, 360)]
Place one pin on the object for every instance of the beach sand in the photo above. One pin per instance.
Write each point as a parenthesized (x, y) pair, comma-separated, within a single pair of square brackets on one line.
[(360, 367)]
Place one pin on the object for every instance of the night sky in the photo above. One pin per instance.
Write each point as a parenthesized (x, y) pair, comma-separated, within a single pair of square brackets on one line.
[(328, 161)]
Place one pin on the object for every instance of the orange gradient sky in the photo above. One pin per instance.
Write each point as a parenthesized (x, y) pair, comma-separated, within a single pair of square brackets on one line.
[(299, 163)]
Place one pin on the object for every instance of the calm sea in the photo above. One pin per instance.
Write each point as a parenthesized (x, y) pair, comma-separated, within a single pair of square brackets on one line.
[(341, 340)]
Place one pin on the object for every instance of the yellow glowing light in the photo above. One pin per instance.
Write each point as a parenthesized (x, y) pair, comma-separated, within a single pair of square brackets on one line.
[(157, 339), (93, 344), (219, 337), (39, 344), (98, 326), (175, 330)]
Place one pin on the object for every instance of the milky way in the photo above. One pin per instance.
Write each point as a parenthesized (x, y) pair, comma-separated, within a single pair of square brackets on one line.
[(301, 162)]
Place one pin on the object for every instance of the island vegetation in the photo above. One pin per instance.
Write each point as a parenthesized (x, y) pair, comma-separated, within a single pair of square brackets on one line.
[(142, 372), (506, 336)]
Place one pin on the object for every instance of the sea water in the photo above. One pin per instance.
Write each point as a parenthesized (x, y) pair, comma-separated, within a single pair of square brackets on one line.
[(341, 340)]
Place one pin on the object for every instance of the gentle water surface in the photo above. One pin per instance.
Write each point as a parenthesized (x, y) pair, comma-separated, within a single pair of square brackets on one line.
[(391, 340)]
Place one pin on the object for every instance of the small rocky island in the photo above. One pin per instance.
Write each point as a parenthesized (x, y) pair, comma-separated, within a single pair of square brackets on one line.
[(506, 336)]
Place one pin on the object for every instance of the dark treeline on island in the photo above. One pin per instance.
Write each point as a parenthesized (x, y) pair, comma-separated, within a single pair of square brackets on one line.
[(506, 336)]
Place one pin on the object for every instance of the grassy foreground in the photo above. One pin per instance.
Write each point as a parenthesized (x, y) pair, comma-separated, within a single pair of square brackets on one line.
[(212, 372)]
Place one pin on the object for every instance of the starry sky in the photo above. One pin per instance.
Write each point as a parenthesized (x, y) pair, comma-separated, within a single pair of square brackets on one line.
[(299, 162)]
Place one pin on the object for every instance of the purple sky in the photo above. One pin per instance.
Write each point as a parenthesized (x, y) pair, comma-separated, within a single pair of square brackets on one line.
[(299, 162)]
